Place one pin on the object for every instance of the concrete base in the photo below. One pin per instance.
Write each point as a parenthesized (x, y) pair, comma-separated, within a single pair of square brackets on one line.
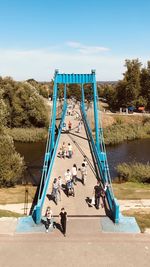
[(125, 225), (27, 225)]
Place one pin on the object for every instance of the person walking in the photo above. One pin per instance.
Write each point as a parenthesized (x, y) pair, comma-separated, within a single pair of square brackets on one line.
[(97, 192), (85, 161), (83, 173), (69, 125), (74, 173), (70, 152), (55, 190), (63, 149), (59, 186), (49, 216), (68, 176), (63, 220)]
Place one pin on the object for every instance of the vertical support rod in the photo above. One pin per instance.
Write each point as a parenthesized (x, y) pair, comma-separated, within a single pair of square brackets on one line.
[(96, 117), (83, 98), (65, 93), (54, 116)]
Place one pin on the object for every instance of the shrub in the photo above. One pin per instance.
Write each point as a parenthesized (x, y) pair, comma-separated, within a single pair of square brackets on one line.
[(134, 172), (118, 133), (27, 134)]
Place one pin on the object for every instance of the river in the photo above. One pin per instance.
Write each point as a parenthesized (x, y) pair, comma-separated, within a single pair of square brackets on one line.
[(137, 150)]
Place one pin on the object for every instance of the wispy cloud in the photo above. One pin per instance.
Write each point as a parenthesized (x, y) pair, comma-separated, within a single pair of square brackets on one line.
[(41, 63), (86, 49)]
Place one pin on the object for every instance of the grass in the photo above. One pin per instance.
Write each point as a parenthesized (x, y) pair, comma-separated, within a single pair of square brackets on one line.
[(27, 134), (142, 217), (15, 195), (131, 190), (7, 213)]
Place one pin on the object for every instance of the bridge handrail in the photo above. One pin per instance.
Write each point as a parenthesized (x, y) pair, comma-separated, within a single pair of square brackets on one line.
[(103, 147), (45, 159), (38, 208), (109, 192)]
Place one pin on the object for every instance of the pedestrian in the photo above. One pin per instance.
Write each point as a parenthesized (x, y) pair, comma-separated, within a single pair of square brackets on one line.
[(85, 161), (69, 125), (55, 190), (63, 149), (49, 216), (83, 173), (97, 193), (70, 152), (68, 176), (63, 220), (74, 173), (59, 186), (79, 127)]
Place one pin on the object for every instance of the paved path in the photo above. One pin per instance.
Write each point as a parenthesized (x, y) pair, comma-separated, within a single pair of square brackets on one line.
[(74, 205), (84, 245)]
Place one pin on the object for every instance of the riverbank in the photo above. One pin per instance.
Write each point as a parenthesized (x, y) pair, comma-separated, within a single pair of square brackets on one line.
[(117, 129), (27, 134), (125, 128)]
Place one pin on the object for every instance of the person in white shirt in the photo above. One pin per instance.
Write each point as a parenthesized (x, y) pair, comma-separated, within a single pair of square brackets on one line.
[(83, 173), (68, 176), (49, 216)]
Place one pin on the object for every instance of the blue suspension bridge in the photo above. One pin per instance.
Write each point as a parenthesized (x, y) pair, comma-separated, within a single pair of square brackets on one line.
[(89, 144)]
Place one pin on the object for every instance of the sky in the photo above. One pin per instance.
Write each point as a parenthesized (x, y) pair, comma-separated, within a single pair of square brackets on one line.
[(39, 36)]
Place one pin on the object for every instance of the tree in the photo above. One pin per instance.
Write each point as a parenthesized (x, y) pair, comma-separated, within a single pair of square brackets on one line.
[(3, 113), (11, 163), (132, 79), (145, 84)]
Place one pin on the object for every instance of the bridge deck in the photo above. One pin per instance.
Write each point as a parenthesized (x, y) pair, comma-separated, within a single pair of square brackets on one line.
[(74, 205)]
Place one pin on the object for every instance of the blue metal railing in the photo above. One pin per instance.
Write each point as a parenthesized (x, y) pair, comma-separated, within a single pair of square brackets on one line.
[(112, 202), (37, 212)]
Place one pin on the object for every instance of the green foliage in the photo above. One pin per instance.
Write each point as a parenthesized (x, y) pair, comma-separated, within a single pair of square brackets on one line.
[(25, 107), (135, 172), (132, 79), (133, 90), (110, 95), (119, 132), (27, 134), (11, 164), (3, 112)]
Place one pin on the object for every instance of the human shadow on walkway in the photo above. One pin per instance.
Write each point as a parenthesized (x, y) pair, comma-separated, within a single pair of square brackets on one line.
[(58, 227), (79, 180), (64, 189), (88, 200), (44, 222), (51, 198)]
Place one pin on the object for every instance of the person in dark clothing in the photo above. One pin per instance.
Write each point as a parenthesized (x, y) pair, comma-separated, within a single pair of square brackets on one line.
[(97, 192), (63, 220)]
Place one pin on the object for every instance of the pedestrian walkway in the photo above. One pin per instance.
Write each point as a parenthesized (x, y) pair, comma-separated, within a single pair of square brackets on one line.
[(77, 205)]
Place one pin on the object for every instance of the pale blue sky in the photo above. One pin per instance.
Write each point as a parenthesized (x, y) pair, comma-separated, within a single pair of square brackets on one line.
[(74, 36)]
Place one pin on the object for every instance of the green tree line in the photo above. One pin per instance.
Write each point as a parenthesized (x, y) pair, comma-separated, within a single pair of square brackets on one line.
[(132, 90), (21, 105)]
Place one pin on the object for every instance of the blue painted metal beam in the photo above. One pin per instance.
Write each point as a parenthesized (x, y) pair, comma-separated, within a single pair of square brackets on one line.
[(37, 212), (74, 78)]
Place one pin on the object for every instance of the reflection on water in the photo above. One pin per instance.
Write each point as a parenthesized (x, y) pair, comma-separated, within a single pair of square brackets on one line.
[(33, 154), (138, 150)]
